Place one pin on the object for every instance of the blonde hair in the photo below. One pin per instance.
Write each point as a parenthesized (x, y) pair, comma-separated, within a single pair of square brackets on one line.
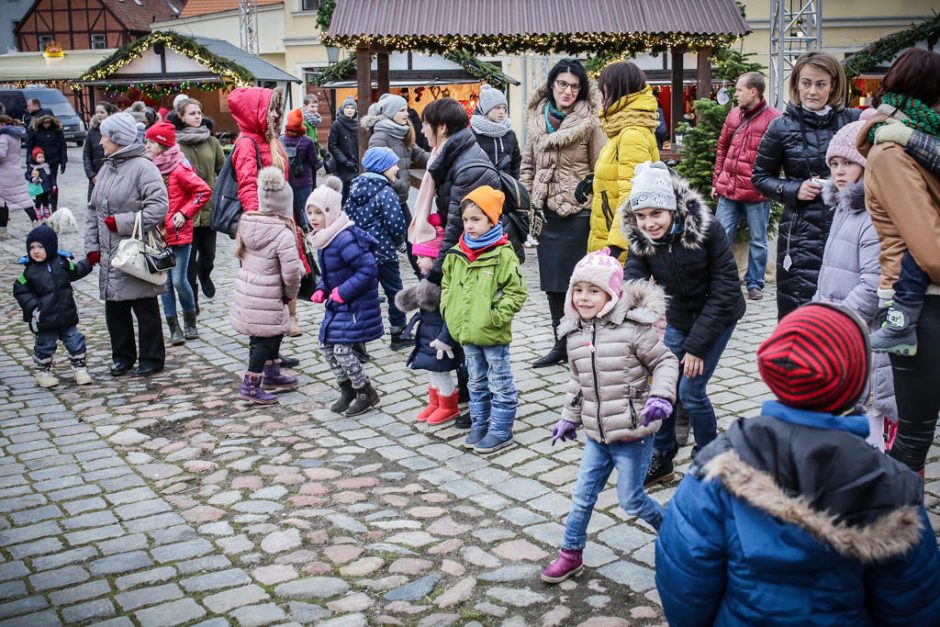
[(275, 115), (185, 102), (822, 62)]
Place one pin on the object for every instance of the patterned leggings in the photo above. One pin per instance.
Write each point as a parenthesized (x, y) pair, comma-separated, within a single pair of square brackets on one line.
[(345, 362)]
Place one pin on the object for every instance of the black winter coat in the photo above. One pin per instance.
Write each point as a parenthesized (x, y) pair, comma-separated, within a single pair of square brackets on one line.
[(503, 152), (344, 146), (796, 142), (51, 140), (695, 267), (454, 182), (93, 152), (47, 286), (426, 326)]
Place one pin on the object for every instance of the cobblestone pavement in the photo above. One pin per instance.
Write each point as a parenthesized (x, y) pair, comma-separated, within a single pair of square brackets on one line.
[(167, 501)]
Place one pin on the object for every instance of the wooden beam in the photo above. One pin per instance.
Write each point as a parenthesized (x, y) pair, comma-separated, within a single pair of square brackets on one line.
[(364, 91), (382, 68), (703, 88), (678, 107)]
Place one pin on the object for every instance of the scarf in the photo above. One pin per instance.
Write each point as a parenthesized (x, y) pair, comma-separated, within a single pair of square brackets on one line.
[(168, 159), (853, 422), (312, 118), (824, 111), (420, 230), (395, 130), (553, 117), (351, 124), (474, 248), (189, 135), (322, 238), (482, 125), (919, 116)]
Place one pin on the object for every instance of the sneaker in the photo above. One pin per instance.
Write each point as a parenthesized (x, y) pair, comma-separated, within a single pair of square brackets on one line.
[(568, 564), (661, 469), (898, 334), (531, 242), (491, 443), (755, 293), (473, 438)]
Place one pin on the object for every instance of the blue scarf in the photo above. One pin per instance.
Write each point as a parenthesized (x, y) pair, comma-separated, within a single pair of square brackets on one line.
[(853, 423), (487, 239), (552, 112)]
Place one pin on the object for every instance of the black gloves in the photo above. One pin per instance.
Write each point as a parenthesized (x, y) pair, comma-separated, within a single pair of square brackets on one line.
[(584, 189)]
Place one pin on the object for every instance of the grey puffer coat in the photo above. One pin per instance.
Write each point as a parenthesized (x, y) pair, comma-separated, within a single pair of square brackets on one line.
[(13, 190), (413, 157), (849, 277), (612, 359), (127, 183)]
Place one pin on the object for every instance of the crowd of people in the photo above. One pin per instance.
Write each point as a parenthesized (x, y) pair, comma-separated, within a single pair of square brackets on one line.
[(819, 495)]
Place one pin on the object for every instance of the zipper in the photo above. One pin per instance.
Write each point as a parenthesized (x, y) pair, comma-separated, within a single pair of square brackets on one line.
[(675, 270), (597, 392)]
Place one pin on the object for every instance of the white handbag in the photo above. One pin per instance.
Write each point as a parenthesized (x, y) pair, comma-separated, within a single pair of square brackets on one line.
[(131, 259)]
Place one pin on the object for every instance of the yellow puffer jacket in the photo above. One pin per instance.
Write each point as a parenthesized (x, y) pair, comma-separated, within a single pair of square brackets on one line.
[(630, 124)]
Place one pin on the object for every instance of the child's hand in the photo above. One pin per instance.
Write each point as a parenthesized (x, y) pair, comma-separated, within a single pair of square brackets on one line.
[(335, 297), (656, 408), (565, 430), (318, 297), (442, 349)]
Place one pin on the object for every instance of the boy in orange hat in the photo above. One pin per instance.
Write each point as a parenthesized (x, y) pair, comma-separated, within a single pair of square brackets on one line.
[(481, 291)]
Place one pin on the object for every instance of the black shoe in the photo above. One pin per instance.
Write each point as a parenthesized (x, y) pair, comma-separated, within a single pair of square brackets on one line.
[(288, 362), (558, 355), (208, 287), (661, 469), (398, 344), (346, 396), (119, 369), (146, 370), (463, 421), (366, 398)]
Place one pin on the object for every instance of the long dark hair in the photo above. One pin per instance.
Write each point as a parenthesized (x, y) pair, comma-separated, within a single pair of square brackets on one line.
[(574, 67), (618, 80), (915, 73)]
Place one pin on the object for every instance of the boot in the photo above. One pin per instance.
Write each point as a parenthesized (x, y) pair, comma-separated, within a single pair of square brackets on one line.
[(491, 443), (346, 396), (682, 425), (294, 330), (208, 287), (288, 362), (432, 404), (567, 565), (274, 380), (44, 376), (557, 355), (190, 332), (176, 333), (3, 232), (397, 343), (898, 334), (252, 392), (473, 438), (661, 468), (80, 371), (366, 398), (463, 421), (446, 410)]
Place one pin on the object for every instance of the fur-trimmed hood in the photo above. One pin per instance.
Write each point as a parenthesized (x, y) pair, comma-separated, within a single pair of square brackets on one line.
[(423, 295), (369, 121), (641, 301), (55, 126), (578, 125), (851, 199), (692, 215)]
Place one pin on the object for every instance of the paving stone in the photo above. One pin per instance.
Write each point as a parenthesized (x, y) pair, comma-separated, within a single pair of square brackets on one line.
[(350, 620), (121, 563), (169, 614), (37, 514), (307, 613), (415, 590), (83, 592), (12, 570), (270, 575), (145, 508), (517, 597), (58, 578), (46, 618), (281, 541), (223, 602), (39, 547), (181, 550), (457, 593), (99, 608), (150, 595), (148, 577), (215, 581), (257, 615), (312, 588), (638, 578)]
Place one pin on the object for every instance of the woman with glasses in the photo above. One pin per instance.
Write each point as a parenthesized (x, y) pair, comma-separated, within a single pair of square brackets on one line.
[(563, 141)]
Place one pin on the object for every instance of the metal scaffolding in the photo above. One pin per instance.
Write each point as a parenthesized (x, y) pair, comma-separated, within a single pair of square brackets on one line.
[(248, 25), (795, 27)]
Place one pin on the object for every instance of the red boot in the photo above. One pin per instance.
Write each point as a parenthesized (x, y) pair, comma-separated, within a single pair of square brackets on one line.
[(432, 404), (446, 410)]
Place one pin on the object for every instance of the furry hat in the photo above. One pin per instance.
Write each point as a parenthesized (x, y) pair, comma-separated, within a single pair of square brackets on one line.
[(329, 198), (489, 200), (45, 236), (274, 194), (652, 187), (139, 111), (490, 97), (844, 143), (600, 269), (422, 295), (178, 99)]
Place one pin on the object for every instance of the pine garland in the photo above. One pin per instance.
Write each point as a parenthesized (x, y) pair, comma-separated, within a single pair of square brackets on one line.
[(885, 49)]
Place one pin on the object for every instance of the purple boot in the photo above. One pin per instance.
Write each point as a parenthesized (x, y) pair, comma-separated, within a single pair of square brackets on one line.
[(274, 380), (566, 566), (251, 390)]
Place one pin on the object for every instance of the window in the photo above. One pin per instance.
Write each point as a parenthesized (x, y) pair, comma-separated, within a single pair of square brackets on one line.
[(99, 41), (45, 40), (309, 5)]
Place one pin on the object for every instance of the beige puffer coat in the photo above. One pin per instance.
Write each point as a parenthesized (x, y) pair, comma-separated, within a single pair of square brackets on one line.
[(554, 164), (614, 358)]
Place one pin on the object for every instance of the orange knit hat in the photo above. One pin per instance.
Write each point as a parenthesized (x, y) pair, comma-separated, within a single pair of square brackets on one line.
[(295, 122), (489, 200)]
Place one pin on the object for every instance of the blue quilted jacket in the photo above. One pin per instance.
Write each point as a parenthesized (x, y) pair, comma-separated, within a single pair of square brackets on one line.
[(374, 206), (348, 263)]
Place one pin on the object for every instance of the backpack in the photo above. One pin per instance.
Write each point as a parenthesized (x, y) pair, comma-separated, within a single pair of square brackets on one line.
[(295, 164), (226, 208), (515, 218)]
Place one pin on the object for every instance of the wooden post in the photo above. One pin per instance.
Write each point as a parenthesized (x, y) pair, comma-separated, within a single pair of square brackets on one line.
[(364, 91), (382, 70), (678, 107), (703, 88)]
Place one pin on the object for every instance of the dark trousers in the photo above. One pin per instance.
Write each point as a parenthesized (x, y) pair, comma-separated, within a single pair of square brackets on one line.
[(117, 315), (911, 286), (261, 350), (917, 390), (201, 257), (54, 177), (412, 260), (5, 215), (556, 306), (390, 280)]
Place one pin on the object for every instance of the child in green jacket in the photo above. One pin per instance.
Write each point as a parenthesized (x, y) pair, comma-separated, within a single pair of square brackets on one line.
[(481, 291)]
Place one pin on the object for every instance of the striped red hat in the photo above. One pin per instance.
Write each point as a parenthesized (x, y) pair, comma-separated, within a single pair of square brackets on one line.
[(817, 359)]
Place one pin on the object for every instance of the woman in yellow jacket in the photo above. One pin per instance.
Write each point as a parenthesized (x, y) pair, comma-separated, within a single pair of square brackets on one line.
[(629, 117)]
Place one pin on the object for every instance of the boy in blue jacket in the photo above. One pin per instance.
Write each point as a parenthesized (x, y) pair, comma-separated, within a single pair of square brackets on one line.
[(791, 518)]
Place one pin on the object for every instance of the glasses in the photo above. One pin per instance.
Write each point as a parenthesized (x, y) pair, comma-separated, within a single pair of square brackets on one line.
[(566, 86)]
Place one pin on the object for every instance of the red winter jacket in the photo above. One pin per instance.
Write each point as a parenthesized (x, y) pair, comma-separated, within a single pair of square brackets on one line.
[(249, 107), (737, 151), (188, 194)]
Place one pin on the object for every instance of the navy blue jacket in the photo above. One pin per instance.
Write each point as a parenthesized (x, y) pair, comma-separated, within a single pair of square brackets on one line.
[(47, 286), (45, 175), (348, 263), (426, 326), (374, 206), (790, 518)]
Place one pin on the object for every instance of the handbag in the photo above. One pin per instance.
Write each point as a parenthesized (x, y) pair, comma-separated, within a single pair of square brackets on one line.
[(131, 257), (34, 189), (159, 258)]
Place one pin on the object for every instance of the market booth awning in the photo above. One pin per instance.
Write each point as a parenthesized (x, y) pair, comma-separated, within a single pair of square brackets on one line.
[(34, 67)]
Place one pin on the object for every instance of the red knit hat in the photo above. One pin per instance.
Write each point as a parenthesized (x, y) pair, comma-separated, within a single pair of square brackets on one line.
[(817, 359), (38, 151), (295, 122), (163, 133)]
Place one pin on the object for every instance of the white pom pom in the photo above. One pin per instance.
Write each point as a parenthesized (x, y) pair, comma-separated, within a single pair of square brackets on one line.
[(271, 179)]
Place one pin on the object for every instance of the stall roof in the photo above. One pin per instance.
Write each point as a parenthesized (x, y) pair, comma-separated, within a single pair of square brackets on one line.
[(262, 70), (32, 66)]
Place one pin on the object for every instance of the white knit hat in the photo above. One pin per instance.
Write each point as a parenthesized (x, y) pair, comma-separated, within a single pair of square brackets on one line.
[(329, 198), (490, 97), (652, 187)]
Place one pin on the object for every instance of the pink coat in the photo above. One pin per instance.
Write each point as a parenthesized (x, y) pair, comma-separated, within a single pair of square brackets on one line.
[(268, 278), (13, 192)]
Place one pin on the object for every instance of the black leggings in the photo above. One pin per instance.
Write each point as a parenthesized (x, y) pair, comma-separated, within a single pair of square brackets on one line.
[(201, 257), (556, 306), (5, 215), (917, 390), (261, 350)]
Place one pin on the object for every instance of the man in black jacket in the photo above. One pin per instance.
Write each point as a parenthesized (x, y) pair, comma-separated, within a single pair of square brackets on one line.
[(34, 111)]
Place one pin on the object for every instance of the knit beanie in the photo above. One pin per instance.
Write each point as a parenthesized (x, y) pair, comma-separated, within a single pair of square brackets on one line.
[(163, 133), (430, 248), (349, 102), (37, 151), (652, 187), (295, 122), (490, 97), (378, 159), (329, 198), (489, 200), (121, 128), (45, 236), (844, 143), (817, 359), (179, 97), (390, 104), (600, 269), (274, 194)]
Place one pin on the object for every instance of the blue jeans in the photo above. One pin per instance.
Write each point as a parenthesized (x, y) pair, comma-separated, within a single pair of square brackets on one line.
[(179, 282), (390, 280), (632, 461), (45, 347), (910, 289), (758, 215), (692, 392), (493, 396)]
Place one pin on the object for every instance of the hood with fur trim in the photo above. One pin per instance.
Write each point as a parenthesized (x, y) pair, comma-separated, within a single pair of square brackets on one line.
[(851, 199), (56, 124), (424, 295), (692, 215), (641, 301)]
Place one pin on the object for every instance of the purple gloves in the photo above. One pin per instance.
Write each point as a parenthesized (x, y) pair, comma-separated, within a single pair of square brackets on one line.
[(565, 430), (656, 409)]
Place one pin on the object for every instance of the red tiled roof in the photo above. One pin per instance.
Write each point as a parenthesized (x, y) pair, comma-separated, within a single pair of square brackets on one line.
[(137, 15), (204, 7)]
